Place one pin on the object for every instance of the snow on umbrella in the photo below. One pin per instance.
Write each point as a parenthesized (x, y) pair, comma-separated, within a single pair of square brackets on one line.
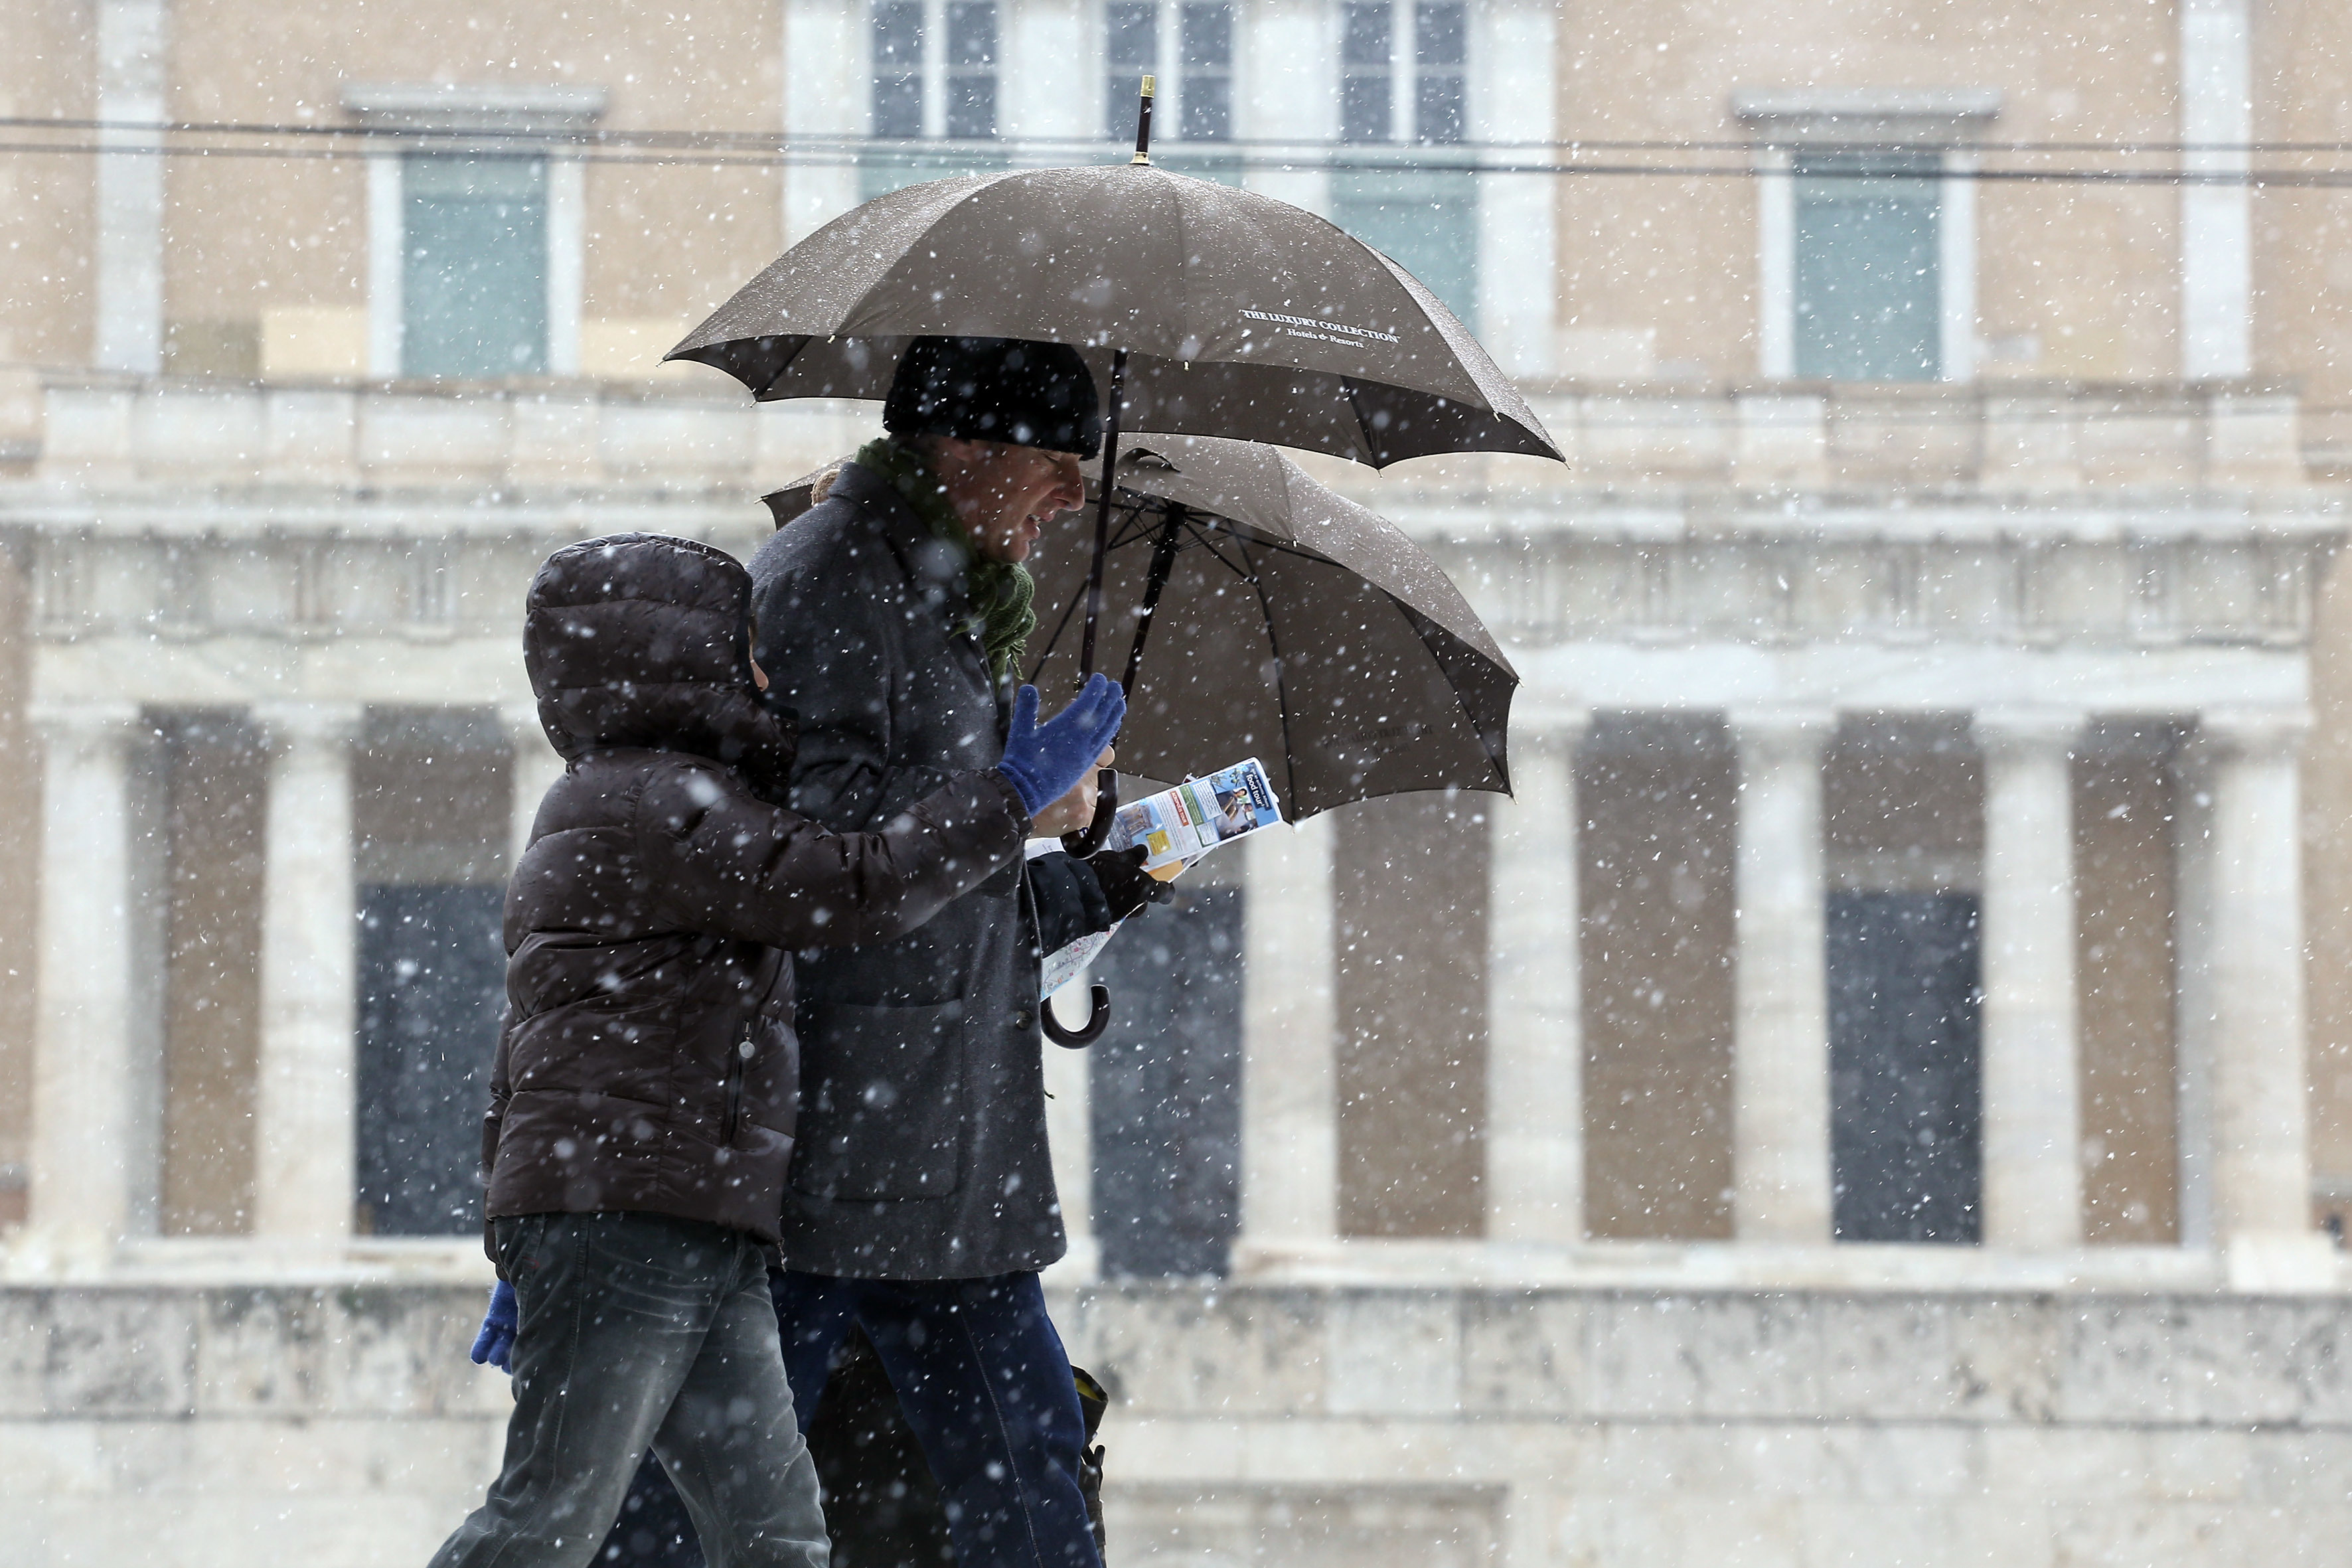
[(1215, 312), (1283, 620), (1206, 309)]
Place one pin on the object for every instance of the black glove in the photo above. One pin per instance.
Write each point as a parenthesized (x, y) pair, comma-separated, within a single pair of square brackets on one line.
[(1126, 886)]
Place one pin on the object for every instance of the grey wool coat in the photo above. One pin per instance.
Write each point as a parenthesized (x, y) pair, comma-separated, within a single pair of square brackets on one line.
[(922, 1149)]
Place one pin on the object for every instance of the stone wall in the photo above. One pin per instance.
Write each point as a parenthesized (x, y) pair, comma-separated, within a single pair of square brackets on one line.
[(338, 1427)]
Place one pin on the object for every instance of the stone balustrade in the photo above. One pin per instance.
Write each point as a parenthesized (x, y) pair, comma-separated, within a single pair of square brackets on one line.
[(341, 1425), (2023, 438)]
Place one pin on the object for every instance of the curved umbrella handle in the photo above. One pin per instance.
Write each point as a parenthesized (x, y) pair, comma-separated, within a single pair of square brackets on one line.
[(1084, 843), (1086, 1034)]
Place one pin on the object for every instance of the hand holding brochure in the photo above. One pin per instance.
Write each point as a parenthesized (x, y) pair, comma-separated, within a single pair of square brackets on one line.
[(1178, 827)]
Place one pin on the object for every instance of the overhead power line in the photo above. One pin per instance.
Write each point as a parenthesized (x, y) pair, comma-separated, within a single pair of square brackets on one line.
[(2204, 165), (777, 140)]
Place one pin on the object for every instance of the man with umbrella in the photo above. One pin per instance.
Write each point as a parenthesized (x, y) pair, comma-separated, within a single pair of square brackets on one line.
[(921, 1201)]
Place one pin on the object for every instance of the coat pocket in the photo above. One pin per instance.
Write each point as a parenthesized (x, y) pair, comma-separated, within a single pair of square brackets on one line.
[(881, 1103)]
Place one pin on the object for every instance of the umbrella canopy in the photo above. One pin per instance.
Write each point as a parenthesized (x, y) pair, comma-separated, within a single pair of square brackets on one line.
[(1290, 624), (1239, 315)]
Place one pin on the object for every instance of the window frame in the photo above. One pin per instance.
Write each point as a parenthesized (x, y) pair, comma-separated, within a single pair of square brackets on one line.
[(1425, 166), (453, 110), (936, 73), (1789, 125), (1172, 71)]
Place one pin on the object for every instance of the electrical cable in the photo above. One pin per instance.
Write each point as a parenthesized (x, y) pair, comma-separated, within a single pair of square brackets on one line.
[(1844, 160)]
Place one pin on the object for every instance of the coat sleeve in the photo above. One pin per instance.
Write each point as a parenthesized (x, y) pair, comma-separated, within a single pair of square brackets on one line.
[(502, 1090), (726, 863), (830, 648), (1069, 898)]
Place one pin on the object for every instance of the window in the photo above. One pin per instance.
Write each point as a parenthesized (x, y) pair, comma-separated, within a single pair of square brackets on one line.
[(1865, 255), (932, 76), (1193, 101), (1404, 70), (474, 266), (1865, 283), (1130, 52), (1426, 220), (1366, 71), (971, 70), (933, 70), (1440, 60), (899, 69), (1208, 75)]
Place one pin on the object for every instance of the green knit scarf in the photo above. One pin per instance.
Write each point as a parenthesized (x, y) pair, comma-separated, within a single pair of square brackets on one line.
[(1000, 591)]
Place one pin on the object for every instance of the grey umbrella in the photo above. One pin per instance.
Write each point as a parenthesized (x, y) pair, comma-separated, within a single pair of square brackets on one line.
[(1284, 621), (1204, 309), (1215, 312)]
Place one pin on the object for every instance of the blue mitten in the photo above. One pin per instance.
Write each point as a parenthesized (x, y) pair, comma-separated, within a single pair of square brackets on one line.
[(1046, 761), (493, 1346)]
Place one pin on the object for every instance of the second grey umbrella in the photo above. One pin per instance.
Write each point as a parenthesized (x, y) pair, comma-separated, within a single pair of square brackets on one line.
[(1285, 622)]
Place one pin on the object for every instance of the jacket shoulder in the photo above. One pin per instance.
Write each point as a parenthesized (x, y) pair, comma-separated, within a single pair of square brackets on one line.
[(833, 536)]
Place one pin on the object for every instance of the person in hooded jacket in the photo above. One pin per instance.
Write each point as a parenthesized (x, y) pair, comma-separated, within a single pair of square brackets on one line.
[(644, 1101)]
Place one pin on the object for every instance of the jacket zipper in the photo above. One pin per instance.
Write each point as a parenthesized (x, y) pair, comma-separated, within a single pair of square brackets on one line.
[(740, 1055), (741, 1061)]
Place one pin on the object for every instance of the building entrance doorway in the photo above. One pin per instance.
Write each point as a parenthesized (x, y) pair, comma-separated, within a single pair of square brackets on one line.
[(1905, 1085)]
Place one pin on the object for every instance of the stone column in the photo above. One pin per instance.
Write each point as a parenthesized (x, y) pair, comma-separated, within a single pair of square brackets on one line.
[(2254, 1164), (1780, 1065), (2032, 1119), (1535, 1027), (92, 1159), (303, 1185), (531, 771), (1290, 1135)]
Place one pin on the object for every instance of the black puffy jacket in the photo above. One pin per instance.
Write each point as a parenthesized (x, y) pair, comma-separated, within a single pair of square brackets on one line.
[(648, 1061)]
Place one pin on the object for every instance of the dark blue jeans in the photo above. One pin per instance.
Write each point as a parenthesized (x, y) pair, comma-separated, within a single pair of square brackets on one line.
[(985, 1384)]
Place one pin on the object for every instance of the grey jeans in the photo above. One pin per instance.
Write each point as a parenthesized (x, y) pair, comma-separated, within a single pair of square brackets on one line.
[(638, 1330)]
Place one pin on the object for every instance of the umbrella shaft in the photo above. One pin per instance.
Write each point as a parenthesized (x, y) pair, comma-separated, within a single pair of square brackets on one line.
[(1102, 514), (1163, 557)]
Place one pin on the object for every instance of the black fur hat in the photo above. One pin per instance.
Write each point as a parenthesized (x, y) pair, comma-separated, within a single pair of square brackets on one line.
[(996, 389)]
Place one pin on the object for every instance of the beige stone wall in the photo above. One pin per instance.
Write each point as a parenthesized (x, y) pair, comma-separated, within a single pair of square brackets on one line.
[(1657, 929), (265, 252), (46, 200), (2124, 878), (2087, 273), (20, 878), (2303, 238), (2327, 884), (215, 798), (1409, 946)]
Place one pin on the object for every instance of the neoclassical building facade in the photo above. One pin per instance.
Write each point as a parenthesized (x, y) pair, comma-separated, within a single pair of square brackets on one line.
[(1878, 1085)]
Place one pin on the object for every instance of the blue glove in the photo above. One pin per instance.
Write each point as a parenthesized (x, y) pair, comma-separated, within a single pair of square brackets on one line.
[(1046, 761), (493, 1346)]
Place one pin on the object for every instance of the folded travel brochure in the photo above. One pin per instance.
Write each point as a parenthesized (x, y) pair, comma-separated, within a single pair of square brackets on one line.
[(1177, 828)]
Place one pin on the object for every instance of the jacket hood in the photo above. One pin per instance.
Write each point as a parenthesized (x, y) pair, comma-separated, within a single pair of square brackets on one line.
[(638, 639)]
